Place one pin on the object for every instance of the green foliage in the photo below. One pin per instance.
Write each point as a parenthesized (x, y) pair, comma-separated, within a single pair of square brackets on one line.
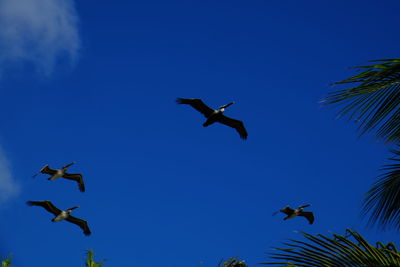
[(338, 251), (232, 262), (6, 262), (383, 199), (90, 260), (374, 101)]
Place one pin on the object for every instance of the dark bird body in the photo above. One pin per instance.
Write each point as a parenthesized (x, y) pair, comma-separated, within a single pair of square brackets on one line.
[(58, 173), (62, 214), (291, 213), (215, 115)]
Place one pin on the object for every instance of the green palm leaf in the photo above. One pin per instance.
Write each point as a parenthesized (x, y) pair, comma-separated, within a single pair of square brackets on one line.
[(382, 201), (6, 262), (374, 101), (90, 260), (339, 251), (232, 262)]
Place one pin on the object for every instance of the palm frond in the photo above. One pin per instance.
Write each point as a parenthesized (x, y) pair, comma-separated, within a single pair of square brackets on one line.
[(382, 201), (90, 260), (374, 101), (338, 251), (232, 262), (6, 262)]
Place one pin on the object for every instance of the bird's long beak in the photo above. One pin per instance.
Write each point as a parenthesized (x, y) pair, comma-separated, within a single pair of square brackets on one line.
[(227, 105), (74, 208), (66, 166)]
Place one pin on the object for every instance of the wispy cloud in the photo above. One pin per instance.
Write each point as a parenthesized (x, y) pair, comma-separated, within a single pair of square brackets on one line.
[(9, 188), (38, 32)]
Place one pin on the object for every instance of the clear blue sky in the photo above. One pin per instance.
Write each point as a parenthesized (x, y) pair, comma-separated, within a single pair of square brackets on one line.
[(161, 189)]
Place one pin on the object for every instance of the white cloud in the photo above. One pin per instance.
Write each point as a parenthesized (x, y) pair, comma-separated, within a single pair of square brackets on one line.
[(8, 186), (37, 32)]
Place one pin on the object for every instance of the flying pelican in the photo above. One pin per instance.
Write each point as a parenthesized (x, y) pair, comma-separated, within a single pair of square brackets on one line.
[(62, 214), (291, 213), (57, 173), (215, 115)]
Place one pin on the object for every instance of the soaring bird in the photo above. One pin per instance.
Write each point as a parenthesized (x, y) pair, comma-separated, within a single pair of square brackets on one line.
[(58, 173), (62, 214), (215, 115), (291, 213)]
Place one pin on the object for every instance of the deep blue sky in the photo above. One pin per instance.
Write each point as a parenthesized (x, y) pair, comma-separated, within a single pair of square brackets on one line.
[(161, 189)]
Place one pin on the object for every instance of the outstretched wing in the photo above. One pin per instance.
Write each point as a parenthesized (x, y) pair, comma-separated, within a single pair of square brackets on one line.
[(308, 215), (197, 104), (287, 210), (238, 125), (76, 177), (81, 223), (47, 205)]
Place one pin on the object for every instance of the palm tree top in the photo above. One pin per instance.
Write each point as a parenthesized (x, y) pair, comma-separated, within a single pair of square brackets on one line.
[(232, 262), (349, 250), (373, 100), (89, 261), (382, 201)]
